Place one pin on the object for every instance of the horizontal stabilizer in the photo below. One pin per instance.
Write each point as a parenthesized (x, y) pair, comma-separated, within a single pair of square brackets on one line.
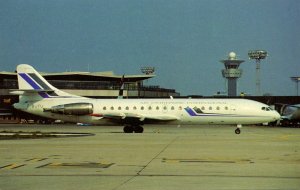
[(22, 91)]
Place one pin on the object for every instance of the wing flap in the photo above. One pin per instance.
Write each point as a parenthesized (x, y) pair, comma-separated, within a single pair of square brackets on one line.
[(162, 117), (119, 116)]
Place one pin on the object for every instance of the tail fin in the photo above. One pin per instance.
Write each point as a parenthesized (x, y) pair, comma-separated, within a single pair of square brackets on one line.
[(30, 79), (32, 83)]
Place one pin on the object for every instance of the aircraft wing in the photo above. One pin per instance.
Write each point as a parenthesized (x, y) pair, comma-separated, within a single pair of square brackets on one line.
[(140, 117), (162, 117)]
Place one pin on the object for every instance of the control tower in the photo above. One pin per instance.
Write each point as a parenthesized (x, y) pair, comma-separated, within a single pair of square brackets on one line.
[(232, 72)]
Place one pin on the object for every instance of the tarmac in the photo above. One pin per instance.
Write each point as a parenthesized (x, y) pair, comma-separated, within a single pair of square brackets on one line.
[(163, 157)]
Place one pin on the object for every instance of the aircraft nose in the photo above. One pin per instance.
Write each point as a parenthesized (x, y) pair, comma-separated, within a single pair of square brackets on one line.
[(277, 116)]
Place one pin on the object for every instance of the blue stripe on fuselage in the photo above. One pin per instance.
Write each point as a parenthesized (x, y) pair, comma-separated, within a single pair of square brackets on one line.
[(190, 111)]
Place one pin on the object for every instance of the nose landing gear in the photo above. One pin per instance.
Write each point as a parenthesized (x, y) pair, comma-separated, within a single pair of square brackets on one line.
[(238, 129)]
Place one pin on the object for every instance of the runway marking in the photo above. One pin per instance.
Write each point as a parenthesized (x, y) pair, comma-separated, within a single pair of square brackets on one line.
[(81, 165), (36, 159), (139, 173), (159, 175), (12, 166), (287, 137), (41, 166), (18, 165), (166, 160)]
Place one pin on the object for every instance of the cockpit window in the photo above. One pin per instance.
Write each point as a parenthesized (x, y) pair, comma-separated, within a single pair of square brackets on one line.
[(266, 108)]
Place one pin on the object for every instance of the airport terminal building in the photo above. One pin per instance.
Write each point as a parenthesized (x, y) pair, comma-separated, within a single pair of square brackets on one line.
[(88, 84)]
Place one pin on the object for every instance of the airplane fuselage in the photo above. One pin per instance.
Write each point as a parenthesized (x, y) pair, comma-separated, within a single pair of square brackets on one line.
[(184, 111), (39, 97)]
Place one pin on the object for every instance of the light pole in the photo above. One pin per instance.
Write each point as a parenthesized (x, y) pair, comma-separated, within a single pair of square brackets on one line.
[(296, 80), (257, 55)]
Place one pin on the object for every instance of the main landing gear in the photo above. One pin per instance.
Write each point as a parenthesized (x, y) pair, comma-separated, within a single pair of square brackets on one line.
[(238, 129), (132, 128)]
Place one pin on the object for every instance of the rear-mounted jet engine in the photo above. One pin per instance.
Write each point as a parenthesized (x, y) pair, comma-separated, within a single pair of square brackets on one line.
[(71, 109)]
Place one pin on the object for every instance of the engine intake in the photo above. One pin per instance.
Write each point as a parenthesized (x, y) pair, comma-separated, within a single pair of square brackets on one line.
[(72, 109)]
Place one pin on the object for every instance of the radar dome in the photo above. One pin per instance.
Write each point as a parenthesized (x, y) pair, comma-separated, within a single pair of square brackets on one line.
[(232, 55)]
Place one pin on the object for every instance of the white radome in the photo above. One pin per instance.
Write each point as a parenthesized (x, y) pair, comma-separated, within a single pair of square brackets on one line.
[(232, 55)]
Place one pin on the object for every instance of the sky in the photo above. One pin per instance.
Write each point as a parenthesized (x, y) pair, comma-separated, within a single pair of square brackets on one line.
[(183, 39)]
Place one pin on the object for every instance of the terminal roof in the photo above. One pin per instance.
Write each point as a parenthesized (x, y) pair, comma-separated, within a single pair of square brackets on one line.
[(84, 76)]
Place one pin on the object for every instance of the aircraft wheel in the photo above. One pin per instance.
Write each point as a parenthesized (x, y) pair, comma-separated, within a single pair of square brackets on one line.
[(128, 129), (138, 129), (237, 131)]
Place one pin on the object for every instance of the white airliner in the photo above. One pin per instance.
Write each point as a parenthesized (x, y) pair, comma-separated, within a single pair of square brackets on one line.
[(39, 97)]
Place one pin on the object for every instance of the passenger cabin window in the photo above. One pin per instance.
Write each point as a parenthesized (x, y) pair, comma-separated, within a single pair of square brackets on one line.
[(210, 108), (157, 108), (112, 108), (134, 107), (142, 108), (172, 108), (149, 108), (226, 108), (179, 108), (218, 108), (127, 108), (119, 108), (104, 108), (203, 108), (165, 107)]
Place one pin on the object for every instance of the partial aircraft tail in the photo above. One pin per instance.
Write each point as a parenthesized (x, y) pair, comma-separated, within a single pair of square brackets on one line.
[(31, 83)]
